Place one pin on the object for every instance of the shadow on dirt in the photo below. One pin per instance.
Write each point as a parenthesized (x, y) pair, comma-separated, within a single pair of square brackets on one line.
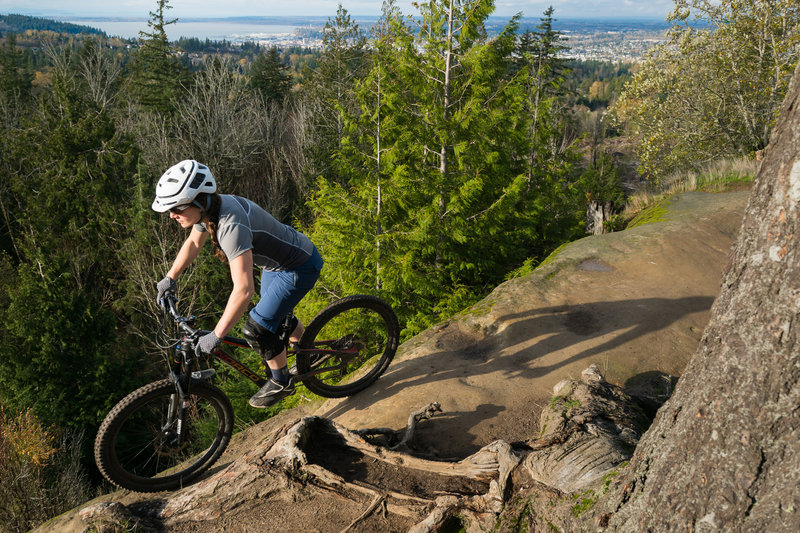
[(581, 332)]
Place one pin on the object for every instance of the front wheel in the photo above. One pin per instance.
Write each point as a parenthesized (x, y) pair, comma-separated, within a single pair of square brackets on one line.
[(145, 446), (347, 346)]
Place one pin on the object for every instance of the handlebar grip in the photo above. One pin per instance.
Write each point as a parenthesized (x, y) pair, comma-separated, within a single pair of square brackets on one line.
[(169, 300)]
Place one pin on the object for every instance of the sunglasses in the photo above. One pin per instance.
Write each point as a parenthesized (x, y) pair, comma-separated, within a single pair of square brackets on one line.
[(178, 209)]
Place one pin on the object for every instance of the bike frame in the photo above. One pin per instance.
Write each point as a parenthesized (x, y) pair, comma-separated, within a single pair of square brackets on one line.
[(256, 378), (188, 356)]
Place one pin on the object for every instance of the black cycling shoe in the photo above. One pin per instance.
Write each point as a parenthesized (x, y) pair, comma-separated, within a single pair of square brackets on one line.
[(271, 393)]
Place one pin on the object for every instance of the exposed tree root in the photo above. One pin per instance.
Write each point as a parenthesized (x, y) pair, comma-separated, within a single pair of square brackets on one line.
[(372, 479), (400, 440)]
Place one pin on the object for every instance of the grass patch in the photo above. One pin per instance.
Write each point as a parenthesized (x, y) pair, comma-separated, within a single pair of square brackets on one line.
[(719, 176), (531, 264), (653, 213)]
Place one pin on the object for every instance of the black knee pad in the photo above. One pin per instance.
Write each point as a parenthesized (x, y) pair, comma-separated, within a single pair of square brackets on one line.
[(262, 340)]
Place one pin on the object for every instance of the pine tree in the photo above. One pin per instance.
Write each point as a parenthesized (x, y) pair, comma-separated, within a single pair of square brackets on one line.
[(359, 235), (157, 74), (15, 77), (268, 76), (431, 198), (331, 87)]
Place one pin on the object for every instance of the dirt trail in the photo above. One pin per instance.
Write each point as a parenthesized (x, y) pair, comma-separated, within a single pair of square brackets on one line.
[(635, 303)]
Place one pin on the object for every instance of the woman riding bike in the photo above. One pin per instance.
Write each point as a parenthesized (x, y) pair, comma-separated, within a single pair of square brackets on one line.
[(244, 235)]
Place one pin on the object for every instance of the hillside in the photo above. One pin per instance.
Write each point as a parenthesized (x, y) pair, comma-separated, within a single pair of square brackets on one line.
[(20, 23), (633, 303)]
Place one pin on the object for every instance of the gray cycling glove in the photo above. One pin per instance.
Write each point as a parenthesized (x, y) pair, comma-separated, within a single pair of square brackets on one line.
[(164, 286), (207, 343)]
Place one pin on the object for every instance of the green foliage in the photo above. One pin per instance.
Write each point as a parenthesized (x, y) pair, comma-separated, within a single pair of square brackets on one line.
[(586, 501), (157, 74), (601, 182), (20, 23), (58, 356), (15, 77), (653, 213), (715, 88), (330, 87), (268, 76), (596, 84), (440, 186)]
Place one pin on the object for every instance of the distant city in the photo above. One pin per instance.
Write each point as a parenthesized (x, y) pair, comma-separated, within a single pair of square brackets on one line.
[(607, 40)]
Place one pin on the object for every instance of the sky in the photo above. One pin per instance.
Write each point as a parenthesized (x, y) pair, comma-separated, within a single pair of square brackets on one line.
[(229, 8)]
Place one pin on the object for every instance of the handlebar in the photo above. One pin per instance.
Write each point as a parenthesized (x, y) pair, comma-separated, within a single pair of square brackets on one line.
[(169, 302)]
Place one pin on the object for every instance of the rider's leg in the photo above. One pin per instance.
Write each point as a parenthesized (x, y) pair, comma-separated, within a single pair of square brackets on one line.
[(297, 334), (280, 293), (277, 362)]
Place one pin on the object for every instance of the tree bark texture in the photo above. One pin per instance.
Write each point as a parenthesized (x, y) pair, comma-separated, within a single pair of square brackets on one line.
[(724, 452)]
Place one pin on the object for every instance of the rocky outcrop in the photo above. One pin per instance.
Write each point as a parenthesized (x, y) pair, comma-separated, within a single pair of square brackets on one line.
[(724, 452)]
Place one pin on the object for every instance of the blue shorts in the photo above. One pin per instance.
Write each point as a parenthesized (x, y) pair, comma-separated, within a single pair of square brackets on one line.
[(281, 290)]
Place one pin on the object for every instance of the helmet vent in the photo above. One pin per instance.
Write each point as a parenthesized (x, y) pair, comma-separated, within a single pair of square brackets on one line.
[(198, 179)]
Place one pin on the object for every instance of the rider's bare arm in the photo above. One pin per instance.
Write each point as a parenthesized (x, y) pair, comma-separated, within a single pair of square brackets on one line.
[(190, 249), (241, 295)]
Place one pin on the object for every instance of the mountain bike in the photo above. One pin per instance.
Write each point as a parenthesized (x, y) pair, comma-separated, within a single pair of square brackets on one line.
[(167, 433)]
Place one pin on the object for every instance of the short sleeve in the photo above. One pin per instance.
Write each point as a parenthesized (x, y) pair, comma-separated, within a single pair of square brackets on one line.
[(235, 239)]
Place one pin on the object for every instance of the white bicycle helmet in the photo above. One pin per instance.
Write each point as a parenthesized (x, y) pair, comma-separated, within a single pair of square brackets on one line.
[(181, 184)]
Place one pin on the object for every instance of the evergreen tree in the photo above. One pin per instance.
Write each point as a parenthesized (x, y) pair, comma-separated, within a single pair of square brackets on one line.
[(358, 235), (157, 73), (331, 87), (545, 47), (268, 76), (432, 199), (59, 355), (15, 76)]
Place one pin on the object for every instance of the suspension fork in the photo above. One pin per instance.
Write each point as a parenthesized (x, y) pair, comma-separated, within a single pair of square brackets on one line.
[(181, 367)]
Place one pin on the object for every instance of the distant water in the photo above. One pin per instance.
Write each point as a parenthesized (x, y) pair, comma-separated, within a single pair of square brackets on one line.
[(215, 31)]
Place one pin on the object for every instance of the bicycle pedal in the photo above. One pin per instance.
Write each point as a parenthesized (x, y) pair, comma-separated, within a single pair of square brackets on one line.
[(204, 375)]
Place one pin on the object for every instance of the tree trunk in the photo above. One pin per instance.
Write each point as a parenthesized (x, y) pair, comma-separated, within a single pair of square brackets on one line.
[(596, 214), (724, 452)]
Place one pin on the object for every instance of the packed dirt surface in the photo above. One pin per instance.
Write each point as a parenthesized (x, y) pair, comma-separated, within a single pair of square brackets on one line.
[(634, 303)]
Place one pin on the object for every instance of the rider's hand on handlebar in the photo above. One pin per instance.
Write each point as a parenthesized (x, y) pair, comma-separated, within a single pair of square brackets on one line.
[(164, 286), (207, 343)]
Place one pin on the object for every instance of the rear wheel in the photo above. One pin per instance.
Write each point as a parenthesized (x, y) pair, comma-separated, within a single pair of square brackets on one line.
[(142, 446), (348, 345)]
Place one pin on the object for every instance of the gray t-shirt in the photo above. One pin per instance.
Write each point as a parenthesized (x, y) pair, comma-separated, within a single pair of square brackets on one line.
[(243, 225)]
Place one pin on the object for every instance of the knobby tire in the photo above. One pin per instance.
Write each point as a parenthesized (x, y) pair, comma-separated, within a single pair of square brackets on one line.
[(134, 451), (373, 329)]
